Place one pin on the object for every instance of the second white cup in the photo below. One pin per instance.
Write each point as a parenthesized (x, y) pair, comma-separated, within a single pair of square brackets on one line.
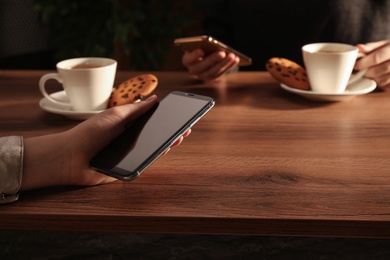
[(329, 66), (87, 82)]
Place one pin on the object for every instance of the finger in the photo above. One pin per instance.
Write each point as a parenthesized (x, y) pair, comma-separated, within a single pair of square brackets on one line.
[(177, 142), (166, 151), (385, 87), (98, 131), (191, 57), (233, 62), (220, 67), (118, 118), (187, 133), (379, 70), (375, 57), (383, 81), (368, 47), (180, 140), (206, 63)]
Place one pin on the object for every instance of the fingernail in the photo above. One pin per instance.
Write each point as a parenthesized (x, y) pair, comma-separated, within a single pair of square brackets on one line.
[(151, 98)]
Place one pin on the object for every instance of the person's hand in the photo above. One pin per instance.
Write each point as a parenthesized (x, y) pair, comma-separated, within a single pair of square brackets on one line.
[(377, 61), (63, 158), (209, 67)]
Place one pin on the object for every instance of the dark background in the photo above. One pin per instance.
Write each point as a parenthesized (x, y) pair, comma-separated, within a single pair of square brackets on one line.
[(36, 34)]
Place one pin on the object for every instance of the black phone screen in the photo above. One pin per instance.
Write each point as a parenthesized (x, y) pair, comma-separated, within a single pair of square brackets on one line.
[(142, 143)]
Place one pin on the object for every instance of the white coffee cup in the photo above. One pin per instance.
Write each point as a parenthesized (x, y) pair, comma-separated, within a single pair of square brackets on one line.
[(329, 66), (87, 82)]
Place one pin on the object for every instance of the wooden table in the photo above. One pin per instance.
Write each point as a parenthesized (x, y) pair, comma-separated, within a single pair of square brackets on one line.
[(263, 161)]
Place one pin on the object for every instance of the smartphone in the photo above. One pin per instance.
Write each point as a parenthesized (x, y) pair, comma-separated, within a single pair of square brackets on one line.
[(142, 143), (210, 45)]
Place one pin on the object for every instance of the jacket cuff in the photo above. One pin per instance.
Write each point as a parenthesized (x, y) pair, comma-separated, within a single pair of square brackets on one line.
[(11, 167)]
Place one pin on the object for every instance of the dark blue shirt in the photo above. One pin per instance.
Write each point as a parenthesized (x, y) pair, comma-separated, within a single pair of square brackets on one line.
[(263, 29)]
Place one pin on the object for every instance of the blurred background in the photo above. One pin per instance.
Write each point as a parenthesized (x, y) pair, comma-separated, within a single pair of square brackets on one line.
[(139, 34), (36, 34)]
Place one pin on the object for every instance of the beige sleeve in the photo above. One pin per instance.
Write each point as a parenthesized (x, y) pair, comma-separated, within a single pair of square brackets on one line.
[(11, 167)]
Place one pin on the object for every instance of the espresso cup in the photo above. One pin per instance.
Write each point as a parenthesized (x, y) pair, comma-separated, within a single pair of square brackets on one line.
[(87, 82), (329, 66)]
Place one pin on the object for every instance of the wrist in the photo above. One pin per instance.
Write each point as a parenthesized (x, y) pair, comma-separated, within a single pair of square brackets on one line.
[(43, 162)]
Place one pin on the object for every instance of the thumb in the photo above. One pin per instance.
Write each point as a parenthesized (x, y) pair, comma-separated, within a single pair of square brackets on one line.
[(95, 133)]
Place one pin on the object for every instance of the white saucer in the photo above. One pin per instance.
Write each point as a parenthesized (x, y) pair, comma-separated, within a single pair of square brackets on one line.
[(66, 111), (360, 87)]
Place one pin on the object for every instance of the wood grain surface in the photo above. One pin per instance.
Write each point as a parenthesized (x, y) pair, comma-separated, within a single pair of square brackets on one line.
[(262, 161)]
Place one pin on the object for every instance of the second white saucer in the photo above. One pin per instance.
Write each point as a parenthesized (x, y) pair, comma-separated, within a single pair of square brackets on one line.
[(48, 106), (360, 87)]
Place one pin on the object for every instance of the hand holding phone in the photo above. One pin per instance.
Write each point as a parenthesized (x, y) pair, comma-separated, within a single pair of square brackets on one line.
[(209, 45), (142, 143)]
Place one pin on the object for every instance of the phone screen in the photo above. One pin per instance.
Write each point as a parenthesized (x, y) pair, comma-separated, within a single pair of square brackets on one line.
[(142, 143)]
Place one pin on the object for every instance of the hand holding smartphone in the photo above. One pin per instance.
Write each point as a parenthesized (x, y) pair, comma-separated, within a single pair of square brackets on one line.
[(142, 143), (210, 45)]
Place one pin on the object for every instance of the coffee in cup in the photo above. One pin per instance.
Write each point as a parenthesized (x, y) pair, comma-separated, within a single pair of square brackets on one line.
[(329, 66), (87, 82)]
